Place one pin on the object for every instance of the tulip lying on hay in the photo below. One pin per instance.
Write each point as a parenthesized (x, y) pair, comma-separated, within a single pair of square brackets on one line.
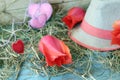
[(11, 63), (31, 37), (55, 51)]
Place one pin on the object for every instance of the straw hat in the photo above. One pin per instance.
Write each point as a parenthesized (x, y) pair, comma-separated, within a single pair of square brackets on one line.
[(95, 30)]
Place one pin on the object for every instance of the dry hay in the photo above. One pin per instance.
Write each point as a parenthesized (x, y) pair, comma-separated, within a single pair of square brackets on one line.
[(11, 62)]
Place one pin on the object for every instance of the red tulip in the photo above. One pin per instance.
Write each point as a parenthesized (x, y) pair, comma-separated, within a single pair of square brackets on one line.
[(55, 51), (74, 16), (18, 46), (116, 33), (116, 25)]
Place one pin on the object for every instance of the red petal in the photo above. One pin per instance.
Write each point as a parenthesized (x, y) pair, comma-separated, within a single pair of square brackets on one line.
[(68, 21), (118, 36), (74, 10), (115, 40), (77, 12), (59, 61), (116, 25), (53, 50), (74, 16), (18, 47), (68, 57), (115, 37), (115, 32)]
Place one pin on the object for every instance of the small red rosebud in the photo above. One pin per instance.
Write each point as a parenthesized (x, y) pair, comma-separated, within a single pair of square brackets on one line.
[(18, 46), (74, 16)]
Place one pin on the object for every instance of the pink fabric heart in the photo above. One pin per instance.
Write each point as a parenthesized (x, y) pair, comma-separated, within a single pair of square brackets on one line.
[(33, 9), (38, 22), (39, 13), (47, 9)]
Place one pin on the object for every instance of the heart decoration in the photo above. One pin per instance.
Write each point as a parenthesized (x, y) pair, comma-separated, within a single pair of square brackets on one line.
[(46, 8), (39, 13), (18, 46), (38, 22), (32, 9)]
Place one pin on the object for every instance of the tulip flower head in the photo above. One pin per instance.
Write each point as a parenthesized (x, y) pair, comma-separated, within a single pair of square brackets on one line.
[(74, 16), (55, 51)]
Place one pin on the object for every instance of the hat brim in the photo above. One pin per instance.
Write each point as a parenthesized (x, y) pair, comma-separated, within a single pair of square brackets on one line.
[(91, 42)]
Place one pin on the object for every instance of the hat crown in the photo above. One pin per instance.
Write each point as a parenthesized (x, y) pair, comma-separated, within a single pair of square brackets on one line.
[(103, 13), (96, 28)]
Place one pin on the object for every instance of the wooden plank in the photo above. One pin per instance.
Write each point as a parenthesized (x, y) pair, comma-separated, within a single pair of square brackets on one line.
[(15, 9), (60, 1), (78, 3)]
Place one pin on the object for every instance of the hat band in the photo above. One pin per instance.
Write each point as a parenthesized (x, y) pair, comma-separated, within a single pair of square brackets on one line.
[(97, 32)]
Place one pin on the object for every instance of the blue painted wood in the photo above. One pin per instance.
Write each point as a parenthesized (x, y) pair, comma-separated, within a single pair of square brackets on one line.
[(98, 71)]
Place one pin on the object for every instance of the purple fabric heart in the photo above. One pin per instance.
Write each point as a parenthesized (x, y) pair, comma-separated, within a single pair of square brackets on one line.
[(33, 9), (39, 13), (38, 22), (47, 9)]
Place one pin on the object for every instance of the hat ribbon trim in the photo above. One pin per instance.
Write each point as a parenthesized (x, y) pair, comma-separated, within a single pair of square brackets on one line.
[(97, 32)]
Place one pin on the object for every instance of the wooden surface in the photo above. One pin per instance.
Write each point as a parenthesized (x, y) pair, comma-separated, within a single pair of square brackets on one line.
[(15, 9), (80, 3)]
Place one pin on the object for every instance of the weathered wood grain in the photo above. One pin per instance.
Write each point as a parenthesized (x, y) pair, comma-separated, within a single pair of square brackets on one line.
[(15, 9)]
